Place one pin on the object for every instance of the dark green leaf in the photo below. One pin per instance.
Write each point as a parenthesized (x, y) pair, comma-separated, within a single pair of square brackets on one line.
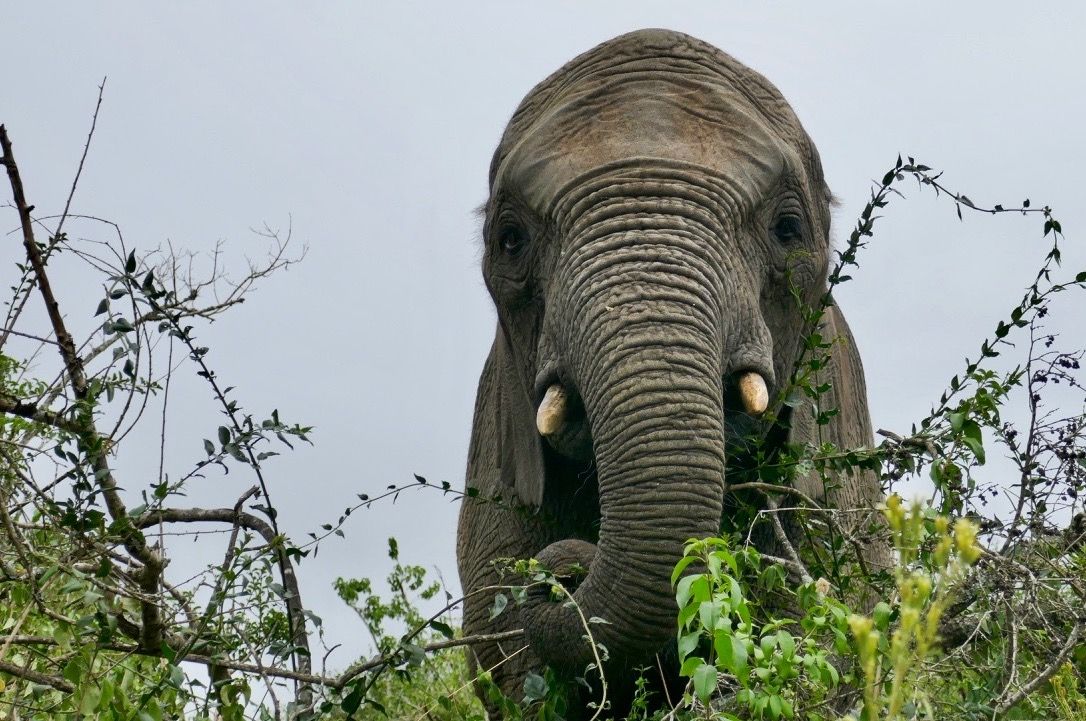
[(705, 681), (500, 602), (443, 628), (535, 687)]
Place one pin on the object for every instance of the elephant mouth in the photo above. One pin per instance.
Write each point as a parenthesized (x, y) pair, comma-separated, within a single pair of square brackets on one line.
[(751, 439), (561, 418)]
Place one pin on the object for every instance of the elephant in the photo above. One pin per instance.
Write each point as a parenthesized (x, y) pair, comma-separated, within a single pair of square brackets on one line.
[(657, 219)]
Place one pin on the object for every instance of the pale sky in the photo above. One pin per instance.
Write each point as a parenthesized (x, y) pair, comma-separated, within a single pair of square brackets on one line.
[(371, 126)]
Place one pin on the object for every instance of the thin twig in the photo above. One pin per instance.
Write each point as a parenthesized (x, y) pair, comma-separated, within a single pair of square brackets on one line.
[(91, 442), (782, 538), (1049, 671)]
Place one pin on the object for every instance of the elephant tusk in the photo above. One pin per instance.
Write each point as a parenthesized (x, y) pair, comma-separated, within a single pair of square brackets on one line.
[(753, 391), (552, 411)]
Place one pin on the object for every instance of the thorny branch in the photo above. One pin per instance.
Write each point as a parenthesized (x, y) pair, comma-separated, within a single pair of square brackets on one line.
[(85, 429), (153, 633)]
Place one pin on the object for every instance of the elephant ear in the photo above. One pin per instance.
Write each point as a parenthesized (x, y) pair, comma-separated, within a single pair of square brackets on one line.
[(851, 427), (520, 449)]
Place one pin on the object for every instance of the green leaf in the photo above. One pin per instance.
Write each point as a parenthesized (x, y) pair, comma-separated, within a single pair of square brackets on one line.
[(767, 644), (535, 687), (500, 602), (709, 612), (680, 567), (122, 325), (224, 435), (738, 665), (443, 628), (691, 665), (102, 307), (130, 264), (972, 437), (684, 590), (705, 681), (686, 614), (352, 701), (786, 643), (104, 567), (722, 644), (881, 615), (729, 558), (736, 592), (687, 643)]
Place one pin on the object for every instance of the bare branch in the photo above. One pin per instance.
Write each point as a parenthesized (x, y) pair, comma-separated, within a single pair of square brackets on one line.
[(1005, 705), (44, 679), (92, 444)]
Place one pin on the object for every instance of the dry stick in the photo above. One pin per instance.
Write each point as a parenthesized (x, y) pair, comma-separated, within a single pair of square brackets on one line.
[(300, 656), (813, 506), (663, 682), (58, 683), (1047, 673), (1030, 452), (17, 407), (244, 520), (132, 538), (591, 644), (217, 674), (315, 679), (782, 538), (461, 687), (382, 661), (14, 314), (82, 159)]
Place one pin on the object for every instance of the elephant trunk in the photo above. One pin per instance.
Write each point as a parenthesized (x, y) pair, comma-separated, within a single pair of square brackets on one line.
[(647, 362)]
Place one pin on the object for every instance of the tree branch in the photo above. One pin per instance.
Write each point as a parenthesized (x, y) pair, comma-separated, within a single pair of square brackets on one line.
[(40, 678), (1050, 670), (90, 440)]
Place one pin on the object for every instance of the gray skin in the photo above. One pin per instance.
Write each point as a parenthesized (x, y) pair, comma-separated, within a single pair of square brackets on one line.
[(650, 202)]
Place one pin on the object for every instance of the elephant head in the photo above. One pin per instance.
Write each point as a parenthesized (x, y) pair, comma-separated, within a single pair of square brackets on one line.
[(657, 219)]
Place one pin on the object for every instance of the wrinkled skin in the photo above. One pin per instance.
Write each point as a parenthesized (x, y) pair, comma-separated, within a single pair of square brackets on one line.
[(649, 205)]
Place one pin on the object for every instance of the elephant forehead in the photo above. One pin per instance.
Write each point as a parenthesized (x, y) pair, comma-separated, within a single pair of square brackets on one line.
[(635, 121)]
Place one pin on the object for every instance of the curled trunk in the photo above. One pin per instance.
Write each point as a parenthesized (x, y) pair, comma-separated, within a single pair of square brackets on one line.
[(647, 363)]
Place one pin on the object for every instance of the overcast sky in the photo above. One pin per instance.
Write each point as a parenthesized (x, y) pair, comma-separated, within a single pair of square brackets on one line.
[(371, 126)]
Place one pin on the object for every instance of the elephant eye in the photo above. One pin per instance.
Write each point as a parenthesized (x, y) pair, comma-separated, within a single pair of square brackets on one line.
[(788, 229), (512, 239)]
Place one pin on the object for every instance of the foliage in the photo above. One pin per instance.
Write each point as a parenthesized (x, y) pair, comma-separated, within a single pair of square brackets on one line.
[(933, 563), (760, 669), (730, 639), (419, 687)]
